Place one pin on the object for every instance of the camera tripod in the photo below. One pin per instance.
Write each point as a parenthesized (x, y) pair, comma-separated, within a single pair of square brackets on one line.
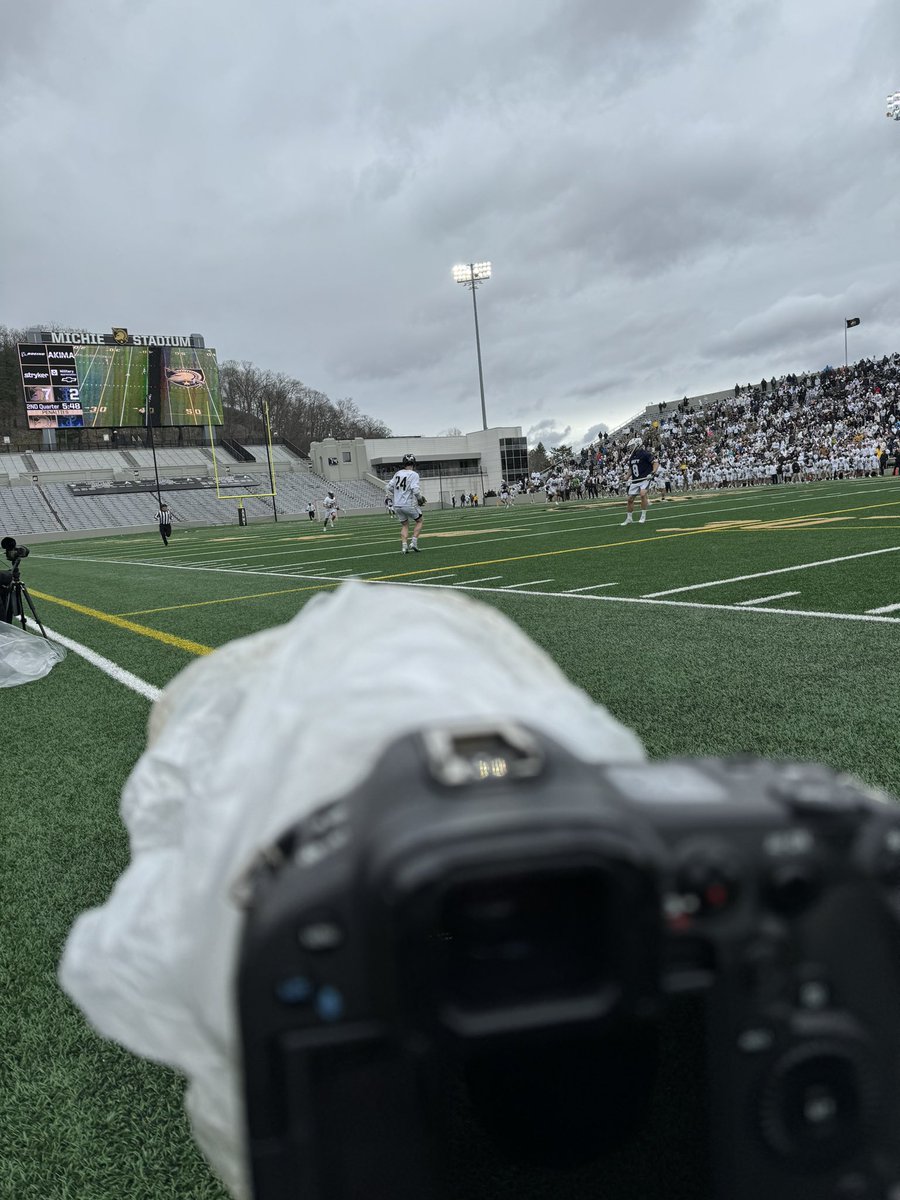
[(16, 593)]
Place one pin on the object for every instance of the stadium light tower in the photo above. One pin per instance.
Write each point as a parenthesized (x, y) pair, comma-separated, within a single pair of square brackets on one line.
[(470, 275), (893, 106)]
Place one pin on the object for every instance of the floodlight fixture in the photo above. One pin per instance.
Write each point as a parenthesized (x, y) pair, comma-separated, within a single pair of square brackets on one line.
[(470, 275), (893, 106)]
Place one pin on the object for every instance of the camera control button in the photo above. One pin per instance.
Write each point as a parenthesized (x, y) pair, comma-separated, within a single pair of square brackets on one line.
[(816, 1105), (886, 862), (708, 879), (756, 1039), (813, 995), (318, 936), (296, 989), (809, 793), (329, 1003), (855, 1186), (792, 885)]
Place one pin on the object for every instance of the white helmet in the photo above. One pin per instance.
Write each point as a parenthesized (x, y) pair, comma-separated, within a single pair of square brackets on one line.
[(634, 442)]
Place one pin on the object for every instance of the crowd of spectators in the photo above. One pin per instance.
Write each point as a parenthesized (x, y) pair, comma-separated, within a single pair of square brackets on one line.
[(834, 424)]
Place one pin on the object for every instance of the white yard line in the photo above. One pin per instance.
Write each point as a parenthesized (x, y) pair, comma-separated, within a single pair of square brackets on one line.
[(885, 608), (512, 586), (215, 570), (429, 578), (591, 587), (484, 579), (113, 670), (575, 523), (824, 562), (765, 599), (734, 608)]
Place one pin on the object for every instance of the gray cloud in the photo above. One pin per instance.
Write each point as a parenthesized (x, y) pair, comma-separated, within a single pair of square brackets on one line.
[(675, 195)]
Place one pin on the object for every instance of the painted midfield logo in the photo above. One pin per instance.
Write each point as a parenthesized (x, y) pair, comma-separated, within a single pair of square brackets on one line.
[(186, 377)]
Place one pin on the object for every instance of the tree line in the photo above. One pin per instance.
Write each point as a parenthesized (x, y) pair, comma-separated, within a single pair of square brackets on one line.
[(297, 412)]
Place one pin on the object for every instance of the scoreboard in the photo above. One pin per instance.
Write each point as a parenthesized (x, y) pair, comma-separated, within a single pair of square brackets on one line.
[(102, 385)]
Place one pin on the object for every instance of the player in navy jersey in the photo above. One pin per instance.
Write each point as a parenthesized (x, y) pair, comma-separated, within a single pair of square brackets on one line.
[(641, 468)]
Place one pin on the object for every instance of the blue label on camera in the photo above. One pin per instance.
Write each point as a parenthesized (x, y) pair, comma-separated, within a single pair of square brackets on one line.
[(296, 990), (329, 1003)]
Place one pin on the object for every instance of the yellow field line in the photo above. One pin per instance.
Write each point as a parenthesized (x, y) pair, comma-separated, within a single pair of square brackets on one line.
[(170, 639), (143, 612), (197, 648), (490, 562)]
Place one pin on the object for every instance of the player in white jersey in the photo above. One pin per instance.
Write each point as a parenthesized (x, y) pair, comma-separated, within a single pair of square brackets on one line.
[(404, 492), (331, 507)]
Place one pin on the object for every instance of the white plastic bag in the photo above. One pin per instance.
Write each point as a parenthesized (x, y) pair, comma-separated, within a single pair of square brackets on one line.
[(25, 657), (241, 744)]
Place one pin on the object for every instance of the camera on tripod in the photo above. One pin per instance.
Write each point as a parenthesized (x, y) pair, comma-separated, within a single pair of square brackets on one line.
[(14, 595), (13, 552), (495, 963)]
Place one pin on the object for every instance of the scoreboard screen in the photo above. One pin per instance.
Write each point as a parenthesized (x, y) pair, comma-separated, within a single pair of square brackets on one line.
[(189, 392), (109, 386), (113, 384), (50, 380)]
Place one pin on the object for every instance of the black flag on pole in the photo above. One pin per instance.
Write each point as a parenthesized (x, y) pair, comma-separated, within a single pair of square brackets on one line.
[(851, 321)]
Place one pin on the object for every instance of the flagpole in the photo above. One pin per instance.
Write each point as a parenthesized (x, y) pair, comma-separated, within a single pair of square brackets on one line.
[(849, 323)]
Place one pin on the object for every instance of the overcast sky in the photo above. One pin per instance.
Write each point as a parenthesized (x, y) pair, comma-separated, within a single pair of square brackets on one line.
[(675, 194)]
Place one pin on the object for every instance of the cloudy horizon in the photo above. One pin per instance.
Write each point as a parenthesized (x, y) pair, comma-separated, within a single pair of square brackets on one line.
[(675, 196)]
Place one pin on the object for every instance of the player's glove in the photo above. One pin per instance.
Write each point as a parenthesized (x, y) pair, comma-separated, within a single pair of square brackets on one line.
[(421, 500)]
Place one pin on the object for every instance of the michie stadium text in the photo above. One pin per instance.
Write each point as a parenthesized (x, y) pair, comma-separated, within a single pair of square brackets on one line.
[(70, 337)]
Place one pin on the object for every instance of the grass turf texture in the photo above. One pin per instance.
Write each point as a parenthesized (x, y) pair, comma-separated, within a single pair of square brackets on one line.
[(82, 1118)]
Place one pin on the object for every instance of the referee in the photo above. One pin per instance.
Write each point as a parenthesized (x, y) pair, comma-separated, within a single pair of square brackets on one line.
[(164, 518)]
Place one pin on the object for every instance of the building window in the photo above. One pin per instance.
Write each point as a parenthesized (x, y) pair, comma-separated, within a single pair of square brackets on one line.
[(514, 458), (332, 462), (346, 456)]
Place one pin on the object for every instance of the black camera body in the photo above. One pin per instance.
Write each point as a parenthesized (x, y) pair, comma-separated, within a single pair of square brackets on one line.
[(13, 552), (494, 970)]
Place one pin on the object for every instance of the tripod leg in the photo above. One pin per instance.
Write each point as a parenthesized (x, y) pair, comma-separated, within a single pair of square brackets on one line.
[(24, 592)]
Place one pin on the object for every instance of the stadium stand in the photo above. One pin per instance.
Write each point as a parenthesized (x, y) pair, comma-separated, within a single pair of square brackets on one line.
[(831, 424), (23, 511), (51, 506), (78, 461), (12, 466), (835, 423), (280, 454)]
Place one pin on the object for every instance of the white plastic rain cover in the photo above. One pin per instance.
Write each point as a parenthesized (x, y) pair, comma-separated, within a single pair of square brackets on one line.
[(25, 657), (243, 743)]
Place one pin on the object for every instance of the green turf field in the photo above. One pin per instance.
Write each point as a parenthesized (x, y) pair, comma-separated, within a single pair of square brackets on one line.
[(112, 384), (763, 620)]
